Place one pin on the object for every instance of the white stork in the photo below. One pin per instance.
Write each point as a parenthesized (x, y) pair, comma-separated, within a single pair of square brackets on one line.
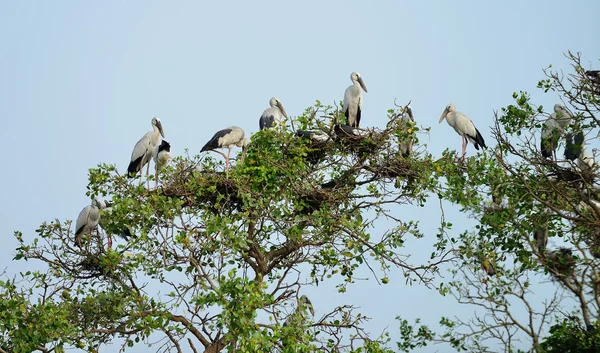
[(88, 220), (353, 100), (586, 160), (407, 121), (553, 129), (227, 138), (161, 156), (271, 117), (144, 149), (464, 127)]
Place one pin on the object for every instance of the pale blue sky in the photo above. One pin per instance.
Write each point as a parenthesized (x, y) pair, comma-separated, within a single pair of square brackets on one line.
[(80, 81)]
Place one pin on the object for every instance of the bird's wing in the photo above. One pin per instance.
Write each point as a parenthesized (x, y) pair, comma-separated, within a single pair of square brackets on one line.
[(82, 219), (214, 141), (359, 111), (139, 151), (266, 122), (347, 98)]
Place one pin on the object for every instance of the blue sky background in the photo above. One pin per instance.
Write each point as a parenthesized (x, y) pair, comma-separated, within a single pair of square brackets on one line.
[(80, 82)]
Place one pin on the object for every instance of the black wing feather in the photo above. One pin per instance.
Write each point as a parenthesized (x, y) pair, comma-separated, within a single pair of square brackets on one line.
[(266, 122), (134, 166), (214, 141)]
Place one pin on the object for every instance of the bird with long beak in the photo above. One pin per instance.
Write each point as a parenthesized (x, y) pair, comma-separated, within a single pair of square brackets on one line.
[(144, 149), (271, 117), (353, 100), (227, 138), (464, 127)]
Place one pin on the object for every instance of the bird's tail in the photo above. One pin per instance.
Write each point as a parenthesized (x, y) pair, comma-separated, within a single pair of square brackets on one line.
[(479, 139)]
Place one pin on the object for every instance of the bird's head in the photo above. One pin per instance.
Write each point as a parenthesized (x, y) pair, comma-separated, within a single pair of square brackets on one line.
[(96, 202), (156, 123), (355, 77), (449, 108), (165, 146), (276, 103)]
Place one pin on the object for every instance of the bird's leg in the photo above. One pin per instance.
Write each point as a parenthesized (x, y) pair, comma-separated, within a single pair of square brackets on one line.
[(227, 164), (141, 173), (156, 179), (109, 241), (147, 174), (464, 149)]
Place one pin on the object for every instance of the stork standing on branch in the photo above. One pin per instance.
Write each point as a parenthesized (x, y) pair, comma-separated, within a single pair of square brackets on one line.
[(271, 117), (406, 144), (553, 129), (464, 127), (227, 138), (353, 100), (144, 149), (88, 220)]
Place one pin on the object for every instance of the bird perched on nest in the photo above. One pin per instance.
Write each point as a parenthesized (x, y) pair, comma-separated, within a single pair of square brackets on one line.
[(553, 129), (88, 220), (271, 117), (353, 101), (406, 144), (464, 127), (161, 156), (227, 138), (144, 149)]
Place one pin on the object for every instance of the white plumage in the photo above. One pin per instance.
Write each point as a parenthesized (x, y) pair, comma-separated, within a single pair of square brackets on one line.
[(553, 129), (144, 148), (464, 127), (88, 220), (161, 156), (226, 138), (406, 144), (353, 101), (271, 117), (586, 160)]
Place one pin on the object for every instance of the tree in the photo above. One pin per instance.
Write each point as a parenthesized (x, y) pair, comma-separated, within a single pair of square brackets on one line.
[(542, 297), (220, 262), (218, 259)]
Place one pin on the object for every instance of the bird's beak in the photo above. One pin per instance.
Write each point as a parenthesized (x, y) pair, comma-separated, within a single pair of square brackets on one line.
[(160, 129), (282, 110), (444, 115), (409, 111), (108, 203), (362, 84)]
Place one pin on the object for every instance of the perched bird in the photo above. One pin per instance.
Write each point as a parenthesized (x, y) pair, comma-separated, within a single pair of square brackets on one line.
[(271, 117), (407, 141), (144, 149), (464, 127), (227, 138), (299, 316), (540, 234), (110, 227), (88, 219), (586, 160), (594, 76), (353, 100), (317, 135), (553, 129), (161, 156), (574, 145)]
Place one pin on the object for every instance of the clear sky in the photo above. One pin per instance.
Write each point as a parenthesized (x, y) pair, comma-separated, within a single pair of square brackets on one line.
[(81, 80)]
